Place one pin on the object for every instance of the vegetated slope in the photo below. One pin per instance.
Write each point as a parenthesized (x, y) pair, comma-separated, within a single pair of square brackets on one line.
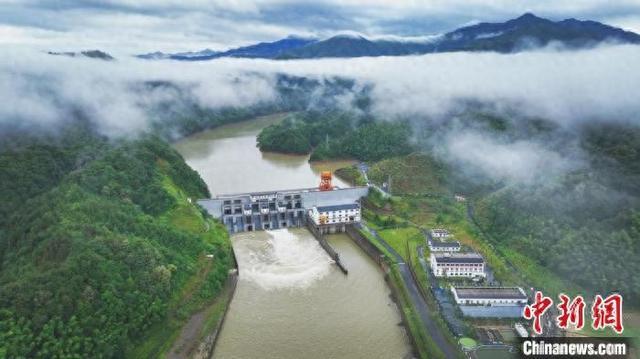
[(337, 134), (181, 114), (100, 253), (583, 222), (585, 225), (414, 174)]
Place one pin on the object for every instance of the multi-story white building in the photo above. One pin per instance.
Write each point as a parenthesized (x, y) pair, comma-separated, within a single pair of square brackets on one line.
[(490, 296), (457, 265), (439, 233), (344, 213), (441, 246)]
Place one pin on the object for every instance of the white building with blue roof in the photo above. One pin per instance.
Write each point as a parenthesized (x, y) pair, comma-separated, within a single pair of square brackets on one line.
[(335, 214)]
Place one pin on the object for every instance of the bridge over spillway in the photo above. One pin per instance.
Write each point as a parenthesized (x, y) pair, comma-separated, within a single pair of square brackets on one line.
[(276, 209)]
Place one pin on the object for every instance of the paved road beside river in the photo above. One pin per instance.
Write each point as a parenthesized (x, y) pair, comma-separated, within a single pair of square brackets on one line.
[(417, 300)]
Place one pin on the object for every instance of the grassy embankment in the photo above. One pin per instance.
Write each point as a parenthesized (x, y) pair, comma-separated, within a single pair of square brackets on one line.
[(193, 297), (405, 241), (423, 344), (351, 175)]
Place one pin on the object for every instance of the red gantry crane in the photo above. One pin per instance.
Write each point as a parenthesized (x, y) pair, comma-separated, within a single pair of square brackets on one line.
[(325, 181)]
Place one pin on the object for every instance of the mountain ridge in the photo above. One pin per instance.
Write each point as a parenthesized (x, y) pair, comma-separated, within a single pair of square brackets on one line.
[(525, 32)]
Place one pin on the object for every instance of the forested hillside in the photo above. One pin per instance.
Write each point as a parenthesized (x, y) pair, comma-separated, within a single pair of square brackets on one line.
[(181, 114), (103, 252), (337, 134), (584, 225), (98, 240), (581, 221)]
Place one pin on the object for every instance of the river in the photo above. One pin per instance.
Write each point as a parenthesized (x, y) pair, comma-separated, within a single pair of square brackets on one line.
[(291, 300)]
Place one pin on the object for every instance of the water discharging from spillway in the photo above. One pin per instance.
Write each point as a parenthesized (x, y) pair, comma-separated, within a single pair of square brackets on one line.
[(291, 301), (281, 260)]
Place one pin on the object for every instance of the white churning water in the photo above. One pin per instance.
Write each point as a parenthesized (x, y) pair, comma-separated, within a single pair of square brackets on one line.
[(282, 261)]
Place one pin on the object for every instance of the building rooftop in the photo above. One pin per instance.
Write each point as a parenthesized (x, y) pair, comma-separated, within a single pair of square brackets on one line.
[(475, 311), (489, 293), (439, 230), (338, 207), (458, 258), (437, 243)]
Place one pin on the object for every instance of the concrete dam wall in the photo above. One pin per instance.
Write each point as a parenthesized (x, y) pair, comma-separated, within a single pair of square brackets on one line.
[(276, 209)]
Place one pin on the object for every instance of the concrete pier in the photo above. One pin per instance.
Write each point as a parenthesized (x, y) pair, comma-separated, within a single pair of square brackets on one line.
[(326, 246)]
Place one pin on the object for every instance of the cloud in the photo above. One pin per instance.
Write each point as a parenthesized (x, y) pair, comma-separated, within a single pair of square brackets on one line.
[(173, 25), (570, 88), (519, 161), (565, 86), (41, 89)]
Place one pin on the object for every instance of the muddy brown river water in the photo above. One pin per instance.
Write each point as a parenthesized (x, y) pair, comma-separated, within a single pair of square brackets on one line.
[(291, 301)]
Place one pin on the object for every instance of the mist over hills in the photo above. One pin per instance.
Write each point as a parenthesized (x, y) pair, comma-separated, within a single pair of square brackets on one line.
[(523, 33), (97, 235)]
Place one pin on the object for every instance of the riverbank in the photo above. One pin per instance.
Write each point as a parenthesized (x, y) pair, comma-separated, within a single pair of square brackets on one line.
[(198, 337), (198, 294), (193, 323)]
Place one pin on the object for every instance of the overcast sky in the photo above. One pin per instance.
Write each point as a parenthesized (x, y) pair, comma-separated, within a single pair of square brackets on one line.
[(131, 26)]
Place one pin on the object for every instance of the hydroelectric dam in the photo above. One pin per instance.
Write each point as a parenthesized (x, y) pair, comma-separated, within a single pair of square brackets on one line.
[(325, 209), (291, 299), (244, 212)]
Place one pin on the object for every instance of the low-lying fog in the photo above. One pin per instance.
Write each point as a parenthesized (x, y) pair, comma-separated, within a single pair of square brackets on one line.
[(568, 87)]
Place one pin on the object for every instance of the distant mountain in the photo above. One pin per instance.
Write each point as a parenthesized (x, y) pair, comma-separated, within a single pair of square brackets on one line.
[(266, 50), (523, 33), (356, 46), (529, 31), (269, 50), (94, 54), (180, 55)]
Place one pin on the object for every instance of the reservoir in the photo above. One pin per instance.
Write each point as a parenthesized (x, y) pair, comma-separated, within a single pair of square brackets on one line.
[(291, 300)]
